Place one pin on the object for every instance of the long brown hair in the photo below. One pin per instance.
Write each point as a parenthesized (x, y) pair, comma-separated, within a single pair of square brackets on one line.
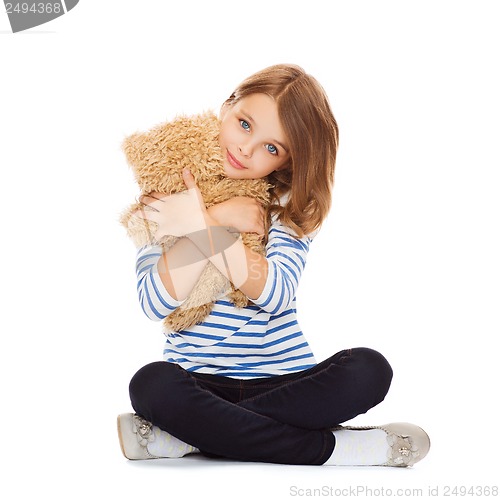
[(312, 133)]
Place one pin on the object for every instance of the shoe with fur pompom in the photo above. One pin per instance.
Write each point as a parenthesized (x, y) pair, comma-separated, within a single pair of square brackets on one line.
[(141, 440), (407, 443)]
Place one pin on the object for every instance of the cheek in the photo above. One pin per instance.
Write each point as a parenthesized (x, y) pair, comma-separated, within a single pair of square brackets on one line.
[(226, 136), (222, 136), (267, 162)]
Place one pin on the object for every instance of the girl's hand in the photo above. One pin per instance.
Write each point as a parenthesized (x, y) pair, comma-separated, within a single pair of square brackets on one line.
[(243, 213), (178, 214)]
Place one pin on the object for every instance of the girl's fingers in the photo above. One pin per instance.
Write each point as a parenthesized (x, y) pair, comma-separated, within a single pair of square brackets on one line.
[(158, 196), (192, 187), (188, 179), (147, 214), (150, 201)]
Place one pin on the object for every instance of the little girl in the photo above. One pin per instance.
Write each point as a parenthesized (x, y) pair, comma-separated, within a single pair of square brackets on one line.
[(244, 384)]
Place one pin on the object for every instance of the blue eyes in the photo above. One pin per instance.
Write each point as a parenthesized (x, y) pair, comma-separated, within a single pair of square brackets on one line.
[(270, 147)]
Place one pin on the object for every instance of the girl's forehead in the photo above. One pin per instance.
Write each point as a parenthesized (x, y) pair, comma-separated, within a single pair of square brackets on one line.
[(260, 109), (258, 101)]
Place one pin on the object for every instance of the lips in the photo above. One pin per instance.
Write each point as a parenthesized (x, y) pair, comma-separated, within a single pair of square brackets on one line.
[(234, 162)]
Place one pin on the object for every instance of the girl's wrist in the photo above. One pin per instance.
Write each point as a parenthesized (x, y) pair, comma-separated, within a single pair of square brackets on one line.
[(215, 216), (217, 225), (210, 220)]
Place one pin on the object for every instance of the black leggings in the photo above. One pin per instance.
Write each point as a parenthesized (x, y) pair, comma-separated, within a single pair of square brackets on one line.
[(283, 419)]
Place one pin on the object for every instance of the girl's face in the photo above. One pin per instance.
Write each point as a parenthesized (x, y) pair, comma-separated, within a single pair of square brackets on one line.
[(251, 138)]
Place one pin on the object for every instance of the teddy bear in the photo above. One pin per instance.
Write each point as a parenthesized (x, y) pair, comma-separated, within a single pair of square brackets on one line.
[(157, 158)]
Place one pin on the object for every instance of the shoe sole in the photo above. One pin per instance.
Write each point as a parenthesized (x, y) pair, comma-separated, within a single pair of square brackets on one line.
[(118, 424)]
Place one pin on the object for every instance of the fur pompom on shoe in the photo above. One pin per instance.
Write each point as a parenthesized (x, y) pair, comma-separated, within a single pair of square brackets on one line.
[(134, 434)]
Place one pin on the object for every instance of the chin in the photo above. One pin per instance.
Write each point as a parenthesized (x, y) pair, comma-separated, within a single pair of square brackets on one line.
[(233, 173)]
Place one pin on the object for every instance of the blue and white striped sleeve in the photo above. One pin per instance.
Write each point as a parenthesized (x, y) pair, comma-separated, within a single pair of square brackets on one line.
[(286, 257), (154, 299)]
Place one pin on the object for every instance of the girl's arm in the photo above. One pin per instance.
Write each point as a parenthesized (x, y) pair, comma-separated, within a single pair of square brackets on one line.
[(243, 213), (246, 269), (165, 278), (180, 268), (270, 281)]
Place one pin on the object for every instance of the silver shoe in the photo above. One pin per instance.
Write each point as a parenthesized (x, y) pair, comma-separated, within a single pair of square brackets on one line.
[(134, 434), (408, 443)]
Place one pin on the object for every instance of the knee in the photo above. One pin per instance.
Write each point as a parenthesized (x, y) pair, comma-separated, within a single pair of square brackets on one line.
[(145, 377), (376, 370), (159, 392), (149, 383)]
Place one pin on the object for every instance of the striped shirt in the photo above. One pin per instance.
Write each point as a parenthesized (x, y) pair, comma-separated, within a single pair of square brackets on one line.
[(263, 339)]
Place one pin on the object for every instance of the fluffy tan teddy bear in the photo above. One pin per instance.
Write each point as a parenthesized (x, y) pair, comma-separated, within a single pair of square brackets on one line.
[(157, 158)]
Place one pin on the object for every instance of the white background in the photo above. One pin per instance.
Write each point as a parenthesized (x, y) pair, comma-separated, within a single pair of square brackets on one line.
[(407, 262)]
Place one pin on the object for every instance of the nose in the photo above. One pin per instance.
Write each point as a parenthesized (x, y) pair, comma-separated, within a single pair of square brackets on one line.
[(245, 149)]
